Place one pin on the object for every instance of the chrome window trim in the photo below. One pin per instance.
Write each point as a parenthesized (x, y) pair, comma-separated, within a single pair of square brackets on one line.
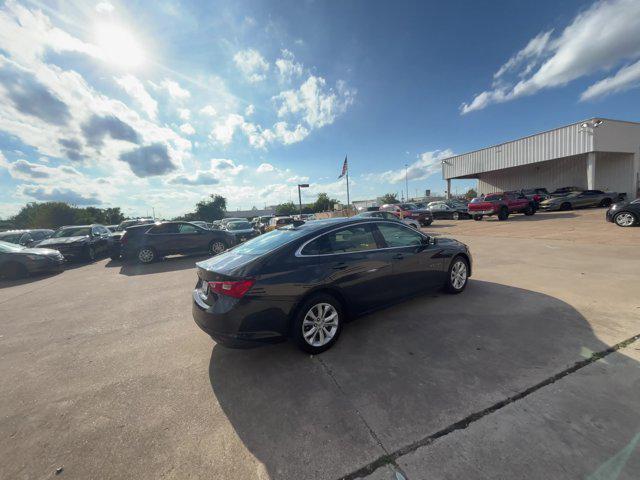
[(298, 252)]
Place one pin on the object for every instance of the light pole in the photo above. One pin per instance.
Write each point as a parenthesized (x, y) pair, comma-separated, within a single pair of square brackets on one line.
[(406, 181), (301, 185)]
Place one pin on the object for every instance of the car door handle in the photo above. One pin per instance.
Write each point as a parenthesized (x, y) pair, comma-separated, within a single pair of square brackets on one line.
[(398, 256), (339, 266)]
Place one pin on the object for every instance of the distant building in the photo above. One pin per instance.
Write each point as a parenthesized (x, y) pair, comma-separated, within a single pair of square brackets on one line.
[(596, 154)]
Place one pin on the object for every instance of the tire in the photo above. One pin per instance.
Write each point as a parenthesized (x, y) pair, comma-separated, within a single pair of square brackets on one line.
[(114, 257), (625, 219), (90, 254), (303, 323), (217, 246), (14, 270), (529, 211), (455, 216), (477, 218), (565, 206), (457, 275), (605, 203), (146, 255), (503, 214)]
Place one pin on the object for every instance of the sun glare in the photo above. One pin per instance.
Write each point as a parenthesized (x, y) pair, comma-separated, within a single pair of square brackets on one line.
[(118, 46)]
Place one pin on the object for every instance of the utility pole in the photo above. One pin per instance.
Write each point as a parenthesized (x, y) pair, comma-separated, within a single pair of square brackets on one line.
[(301, 185), (406, 181)]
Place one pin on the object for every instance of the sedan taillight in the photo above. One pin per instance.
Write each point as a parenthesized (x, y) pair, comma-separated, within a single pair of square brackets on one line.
[(235, 289)]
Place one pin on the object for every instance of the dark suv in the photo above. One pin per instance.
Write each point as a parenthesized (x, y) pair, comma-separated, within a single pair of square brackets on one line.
[(147, 243)]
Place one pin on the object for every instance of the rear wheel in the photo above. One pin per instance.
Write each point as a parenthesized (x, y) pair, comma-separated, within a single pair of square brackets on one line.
[(458, 275), (318, 323), (477, 218), (217, 246), (503, 214), (565, 206), (625, 219), (146, 255)]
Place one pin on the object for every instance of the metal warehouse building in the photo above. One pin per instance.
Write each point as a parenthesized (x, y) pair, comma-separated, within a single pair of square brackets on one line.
[(597, 154)]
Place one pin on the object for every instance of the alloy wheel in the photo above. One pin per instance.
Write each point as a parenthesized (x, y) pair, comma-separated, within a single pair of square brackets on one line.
[(218, 247), (455, 216), (320, 324), (459, 274), (146, 255), (624, 219)]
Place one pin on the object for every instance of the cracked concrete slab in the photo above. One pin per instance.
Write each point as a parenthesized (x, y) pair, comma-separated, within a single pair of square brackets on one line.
[(586, 425)]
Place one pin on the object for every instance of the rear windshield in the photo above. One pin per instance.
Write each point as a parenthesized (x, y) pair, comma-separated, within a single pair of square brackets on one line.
[(269, 241), (72, 232), (239, 226)]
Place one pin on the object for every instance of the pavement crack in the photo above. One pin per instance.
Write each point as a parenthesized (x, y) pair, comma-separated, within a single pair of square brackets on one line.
[(390, 458)]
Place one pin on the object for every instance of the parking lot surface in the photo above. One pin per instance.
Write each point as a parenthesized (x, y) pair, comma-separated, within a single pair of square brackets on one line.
[(532, 372)]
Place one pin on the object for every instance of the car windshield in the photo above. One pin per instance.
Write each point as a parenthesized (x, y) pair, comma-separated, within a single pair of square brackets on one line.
[(72, 232), (269, 241), (239, 226), (6, 247)]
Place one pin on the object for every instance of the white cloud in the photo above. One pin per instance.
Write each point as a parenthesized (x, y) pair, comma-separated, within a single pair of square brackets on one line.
[(265, 167), (317, 105), (598, 39), (223, 131), (174, 89), (104, 7), (625, 79), (287, 136), (184, 113), (139, 94), (250, 110), (252, 65), (287, 67), (428, 163), (187, 129), (208, 110)]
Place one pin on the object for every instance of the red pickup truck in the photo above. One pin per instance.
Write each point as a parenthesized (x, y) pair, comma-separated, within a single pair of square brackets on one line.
[(500, 204)]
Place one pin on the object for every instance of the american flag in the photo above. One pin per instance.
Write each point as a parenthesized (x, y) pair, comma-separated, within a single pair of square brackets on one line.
[(345, 168)]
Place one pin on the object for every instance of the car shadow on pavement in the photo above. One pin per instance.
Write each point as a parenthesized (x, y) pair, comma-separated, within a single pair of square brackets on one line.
[(6, 282), (540, 215), (166, 264), (395, 377)]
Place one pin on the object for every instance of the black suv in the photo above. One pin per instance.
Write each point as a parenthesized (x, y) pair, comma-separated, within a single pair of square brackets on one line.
[(147, 243)]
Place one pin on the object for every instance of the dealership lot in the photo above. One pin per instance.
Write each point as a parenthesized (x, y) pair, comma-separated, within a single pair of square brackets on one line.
[(105, 375)]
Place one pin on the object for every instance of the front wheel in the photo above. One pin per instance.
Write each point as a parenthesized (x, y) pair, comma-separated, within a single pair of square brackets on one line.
[(477, 218), (458, 275), (217, 246), (427, 222), (625, 219), (565, 206), (318, 323), (455, 216)]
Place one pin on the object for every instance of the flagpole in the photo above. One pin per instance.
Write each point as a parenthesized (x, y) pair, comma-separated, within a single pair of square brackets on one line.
[(348, 202)]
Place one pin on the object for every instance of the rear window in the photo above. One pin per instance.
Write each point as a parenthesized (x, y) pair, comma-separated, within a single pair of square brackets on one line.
[(269, 241)]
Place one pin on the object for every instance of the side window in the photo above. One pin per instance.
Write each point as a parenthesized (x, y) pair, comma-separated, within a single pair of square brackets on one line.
[(102, 231), (164, 228), (351, 239), (25, 238), (187, 228), (95, 231), (399, 236)]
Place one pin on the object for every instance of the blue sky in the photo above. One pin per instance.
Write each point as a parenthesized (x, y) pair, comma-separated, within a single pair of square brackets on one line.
[(158, 104)]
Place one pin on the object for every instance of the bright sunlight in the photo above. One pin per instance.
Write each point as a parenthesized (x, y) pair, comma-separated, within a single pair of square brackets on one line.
[(118, 46)]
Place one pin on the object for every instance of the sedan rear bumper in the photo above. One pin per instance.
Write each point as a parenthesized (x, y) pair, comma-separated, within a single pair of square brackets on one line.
[(237, 324)]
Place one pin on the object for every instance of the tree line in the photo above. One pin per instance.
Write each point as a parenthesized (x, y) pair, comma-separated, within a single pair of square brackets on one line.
[(57, 214)]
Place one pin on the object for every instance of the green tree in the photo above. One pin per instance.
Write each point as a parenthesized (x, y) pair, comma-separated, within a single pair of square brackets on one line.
[(323, 203), (471, 193), (288, 208), (45, 215), (389, 198), (211, 209)]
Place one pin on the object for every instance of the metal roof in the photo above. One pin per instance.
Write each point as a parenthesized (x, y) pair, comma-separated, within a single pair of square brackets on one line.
[(570, 140)]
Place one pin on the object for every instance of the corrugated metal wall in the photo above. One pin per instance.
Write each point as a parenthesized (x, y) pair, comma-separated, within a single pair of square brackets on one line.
[(562, 142), (563, 172), (614, 172)]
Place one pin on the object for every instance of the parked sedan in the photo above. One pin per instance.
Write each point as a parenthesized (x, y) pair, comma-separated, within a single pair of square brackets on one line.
[(304, 281), (588, 198), (448, 211), (389, 216), (26, 238), (625, 214), (242, 231), (147, 243), (85, 242), (17, 261)]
